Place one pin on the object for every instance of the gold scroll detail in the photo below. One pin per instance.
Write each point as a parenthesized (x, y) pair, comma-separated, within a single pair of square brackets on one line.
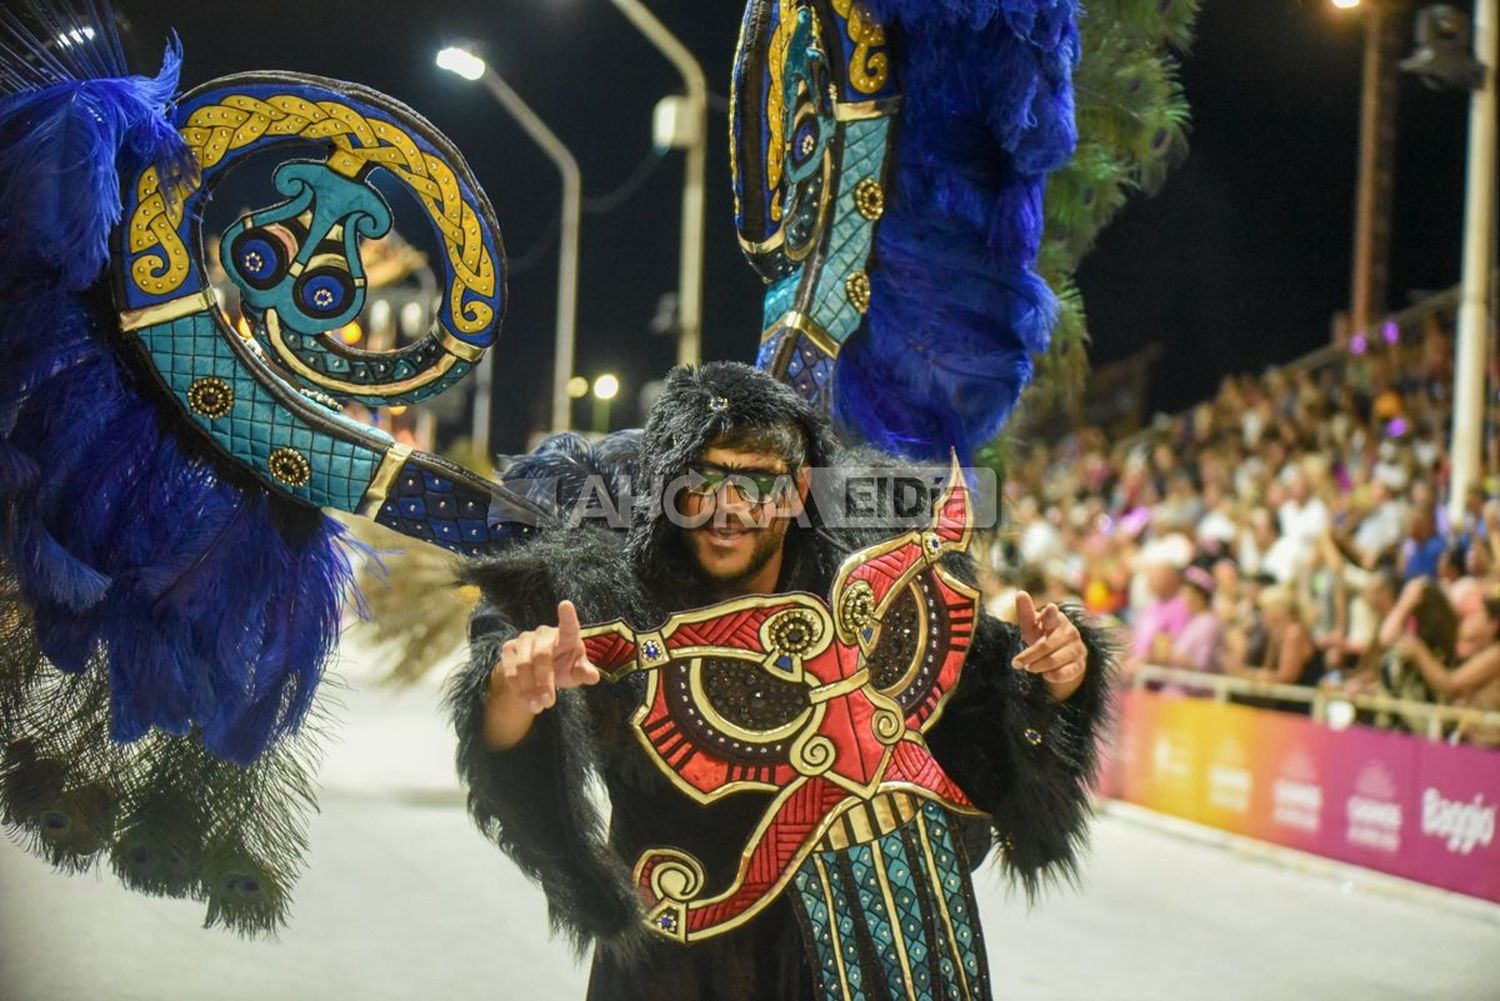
[(870, 65)]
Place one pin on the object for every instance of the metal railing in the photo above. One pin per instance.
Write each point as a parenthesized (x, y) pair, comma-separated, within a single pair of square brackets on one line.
[(1220, 686)]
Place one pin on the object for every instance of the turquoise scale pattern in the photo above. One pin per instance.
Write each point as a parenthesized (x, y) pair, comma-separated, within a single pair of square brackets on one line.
[(841, 940), (780, 298), (850, 242), (342, 465), (810, 886), (908, 902), (867, 877), (955, 890)]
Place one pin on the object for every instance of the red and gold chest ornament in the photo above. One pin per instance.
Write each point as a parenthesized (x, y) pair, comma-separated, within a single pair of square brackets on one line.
[(821, 702)]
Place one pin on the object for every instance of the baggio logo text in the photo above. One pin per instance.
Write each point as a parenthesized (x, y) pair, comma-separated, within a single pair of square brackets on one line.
[(1464, 825)]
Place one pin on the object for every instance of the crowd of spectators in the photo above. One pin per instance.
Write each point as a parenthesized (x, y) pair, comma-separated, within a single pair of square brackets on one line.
[(1293, 529)]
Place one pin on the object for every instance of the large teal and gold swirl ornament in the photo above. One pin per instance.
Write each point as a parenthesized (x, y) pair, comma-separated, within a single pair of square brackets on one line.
[(264, 399), (812, 108)]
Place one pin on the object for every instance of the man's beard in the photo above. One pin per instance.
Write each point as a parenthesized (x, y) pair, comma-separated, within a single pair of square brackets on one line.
[(768, 542)]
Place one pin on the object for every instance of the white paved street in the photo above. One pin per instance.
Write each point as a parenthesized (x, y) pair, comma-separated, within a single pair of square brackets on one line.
[(403, 900)]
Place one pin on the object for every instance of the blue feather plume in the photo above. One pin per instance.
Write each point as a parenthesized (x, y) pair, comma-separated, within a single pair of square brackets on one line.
[(956, 309), (213, 603), (59, 146)]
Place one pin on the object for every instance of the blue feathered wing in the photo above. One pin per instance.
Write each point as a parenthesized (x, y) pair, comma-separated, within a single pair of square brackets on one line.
[(166, 611)]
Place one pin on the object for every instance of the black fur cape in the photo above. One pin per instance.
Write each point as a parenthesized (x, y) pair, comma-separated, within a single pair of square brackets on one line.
[(1024, 759)]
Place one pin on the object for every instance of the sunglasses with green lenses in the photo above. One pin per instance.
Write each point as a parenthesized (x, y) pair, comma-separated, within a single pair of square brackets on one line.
[(751, 486)]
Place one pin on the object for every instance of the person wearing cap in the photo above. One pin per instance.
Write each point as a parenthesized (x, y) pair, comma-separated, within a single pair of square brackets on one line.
[(1200, 644)]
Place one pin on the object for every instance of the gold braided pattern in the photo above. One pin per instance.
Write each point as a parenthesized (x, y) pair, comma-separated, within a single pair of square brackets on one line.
[(776, 102), (239, 120)]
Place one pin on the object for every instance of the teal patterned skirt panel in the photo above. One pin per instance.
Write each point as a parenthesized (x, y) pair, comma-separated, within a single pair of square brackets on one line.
[(895, 919)]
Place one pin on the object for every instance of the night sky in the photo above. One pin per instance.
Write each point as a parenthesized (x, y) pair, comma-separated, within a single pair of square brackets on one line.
[(1237, 263)]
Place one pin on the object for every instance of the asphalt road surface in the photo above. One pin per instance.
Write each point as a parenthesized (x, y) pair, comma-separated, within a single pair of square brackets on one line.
[(404, 900)]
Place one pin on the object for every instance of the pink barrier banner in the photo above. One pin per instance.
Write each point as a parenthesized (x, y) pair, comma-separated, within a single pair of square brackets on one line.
[(1372, 775), (1458, 789), (1388, 801)]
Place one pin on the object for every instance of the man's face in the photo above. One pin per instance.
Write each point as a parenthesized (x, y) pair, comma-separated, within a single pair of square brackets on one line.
[(736, 528)]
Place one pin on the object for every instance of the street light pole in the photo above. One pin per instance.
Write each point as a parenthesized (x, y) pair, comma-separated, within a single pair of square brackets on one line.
[(1377, 144), (567, 257), (606, 388), (1472, 359), (694, 138), (464, 63)]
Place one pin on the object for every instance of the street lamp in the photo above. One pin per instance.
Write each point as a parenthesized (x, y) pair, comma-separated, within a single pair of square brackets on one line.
[(465, 63), (606, 388), (462, 62), (682, 123)]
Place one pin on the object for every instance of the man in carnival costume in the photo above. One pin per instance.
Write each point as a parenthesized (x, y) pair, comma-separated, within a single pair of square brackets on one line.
[(1016, 735), (794, 715)]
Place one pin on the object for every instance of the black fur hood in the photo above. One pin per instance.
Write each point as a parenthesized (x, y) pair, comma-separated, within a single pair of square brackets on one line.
[(698, 406)]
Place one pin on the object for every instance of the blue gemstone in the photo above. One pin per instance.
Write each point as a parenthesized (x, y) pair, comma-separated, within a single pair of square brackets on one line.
[(324, 294), (257, 258)]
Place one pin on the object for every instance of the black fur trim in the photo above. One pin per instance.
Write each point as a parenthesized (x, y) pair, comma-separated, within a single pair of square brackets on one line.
[(523, 583), (1023, 758), (533, 802)]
